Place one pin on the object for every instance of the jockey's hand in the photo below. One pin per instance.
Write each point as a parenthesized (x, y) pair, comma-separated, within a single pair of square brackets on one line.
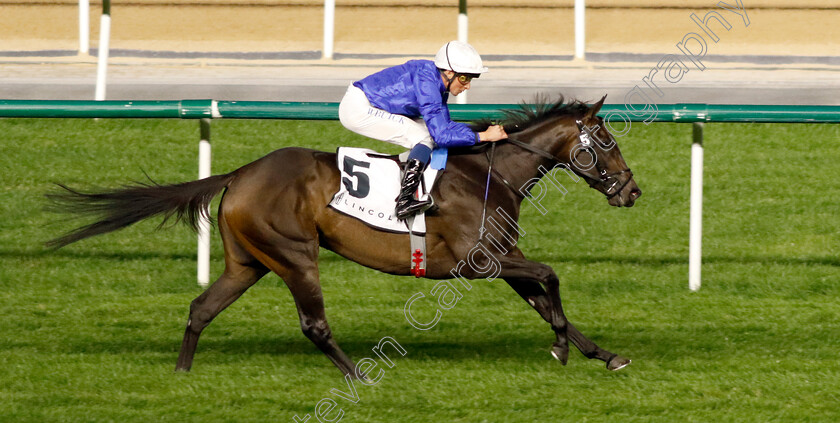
[(493, 133)]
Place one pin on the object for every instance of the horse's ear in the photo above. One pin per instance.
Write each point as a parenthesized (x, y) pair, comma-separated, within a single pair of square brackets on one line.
[(595, 108)]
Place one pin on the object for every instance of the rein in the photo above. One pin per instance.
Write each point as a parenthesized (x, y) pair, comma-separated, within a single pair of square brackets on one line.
[(482, 229), (498, 175)]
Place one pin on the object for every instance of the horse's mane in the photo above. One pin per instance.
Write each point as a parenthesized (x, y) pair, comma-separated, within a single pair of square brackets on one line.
[(527, 115)]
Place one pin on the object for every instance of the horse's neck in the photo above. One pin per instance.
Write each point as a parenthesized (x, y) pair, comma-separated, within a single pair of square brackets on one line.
[(521, 166), (550, 136)]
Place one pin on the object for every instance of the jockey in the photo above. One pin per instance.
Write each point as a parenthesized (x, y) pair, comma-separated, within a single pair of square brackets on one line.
[(406, 105)]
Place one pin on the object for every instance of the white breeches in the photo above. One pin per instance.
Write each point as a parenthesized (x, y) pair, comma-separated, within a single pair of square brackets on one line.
[(357, 114)]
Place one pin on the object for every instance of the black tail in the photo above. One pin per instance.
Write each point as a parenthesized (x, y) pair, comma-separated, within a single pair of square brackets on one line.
[(122, 207)]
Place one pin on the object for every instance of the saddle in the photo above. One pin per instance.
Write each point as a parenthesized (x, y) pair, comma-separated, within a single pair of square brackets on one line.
[(370, 184)]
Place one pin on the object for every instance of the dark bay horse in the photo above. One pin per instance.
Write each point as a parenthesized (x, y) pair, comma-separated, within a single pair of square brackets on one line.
[(274, 217)]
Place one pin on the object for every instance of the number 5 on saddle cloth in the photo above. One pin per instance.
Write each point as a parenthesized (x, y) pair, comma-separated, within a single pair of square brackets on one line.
[(370, 184)]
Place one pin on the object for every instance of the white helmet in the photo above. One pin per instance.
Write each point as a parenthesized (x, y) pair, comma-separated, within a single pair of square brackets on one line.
[(459, 57)]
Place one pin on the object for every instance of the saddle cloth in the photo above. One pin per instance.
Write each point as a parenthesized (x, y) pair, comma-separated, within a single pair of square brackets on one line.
[(370, 184)]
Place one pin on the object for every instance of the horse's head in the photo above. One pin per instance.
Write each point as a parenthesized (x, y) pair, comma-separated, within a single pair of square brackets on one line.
[(573, 135), (591, 152)]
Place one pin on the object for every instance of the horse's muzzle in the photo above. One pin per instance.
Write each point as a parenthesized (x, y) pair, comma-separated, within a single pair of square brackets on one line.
[(627, 196)]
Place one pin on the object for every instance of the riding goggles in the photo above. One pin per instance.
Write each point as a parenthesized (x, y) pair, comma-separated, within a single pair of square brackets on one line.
[(465, 78)]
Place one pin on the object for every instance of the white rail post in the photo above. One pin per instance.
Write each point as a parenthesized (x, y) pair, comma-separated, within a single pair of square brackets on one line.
[(463, 22), (580, 29), (104, 41), (84, 26), (329, 28), (463, 26), (695, 237), (204, 223)]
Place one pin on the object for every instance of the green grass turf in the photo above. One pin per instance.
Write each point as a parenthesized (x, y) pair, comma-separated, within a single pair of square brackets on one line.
[(91, 332)]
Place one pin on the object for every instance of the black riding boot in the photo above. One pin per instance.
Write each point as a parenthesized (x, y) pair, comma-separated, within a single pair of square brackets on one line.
[(407, 205)]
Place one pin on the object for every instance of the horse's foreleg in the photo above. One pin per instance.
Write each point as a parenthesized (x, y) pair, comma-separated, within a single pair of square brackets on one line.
[(533, 293), (517, 267), (231, 285)]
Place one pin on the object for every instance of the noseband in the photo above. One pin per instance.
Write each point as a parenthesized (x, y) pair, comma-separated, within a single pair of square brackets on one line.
[(586, 140)]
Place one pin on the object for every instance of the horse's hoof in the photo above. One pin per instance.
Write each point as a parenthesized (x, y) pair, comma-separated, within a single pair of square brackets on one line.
[(560, 353), (617, 363)]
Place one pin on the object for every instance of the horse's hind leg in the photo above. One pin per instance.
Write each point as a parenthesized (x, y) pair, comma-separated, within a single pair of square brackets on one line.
[(533, 293), (306, 289), (296, 262), (235, 280)]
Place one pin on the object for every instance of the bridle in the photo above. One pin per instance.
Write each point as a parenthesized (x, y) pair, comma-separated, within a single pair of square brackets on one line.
[(586, 140)]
